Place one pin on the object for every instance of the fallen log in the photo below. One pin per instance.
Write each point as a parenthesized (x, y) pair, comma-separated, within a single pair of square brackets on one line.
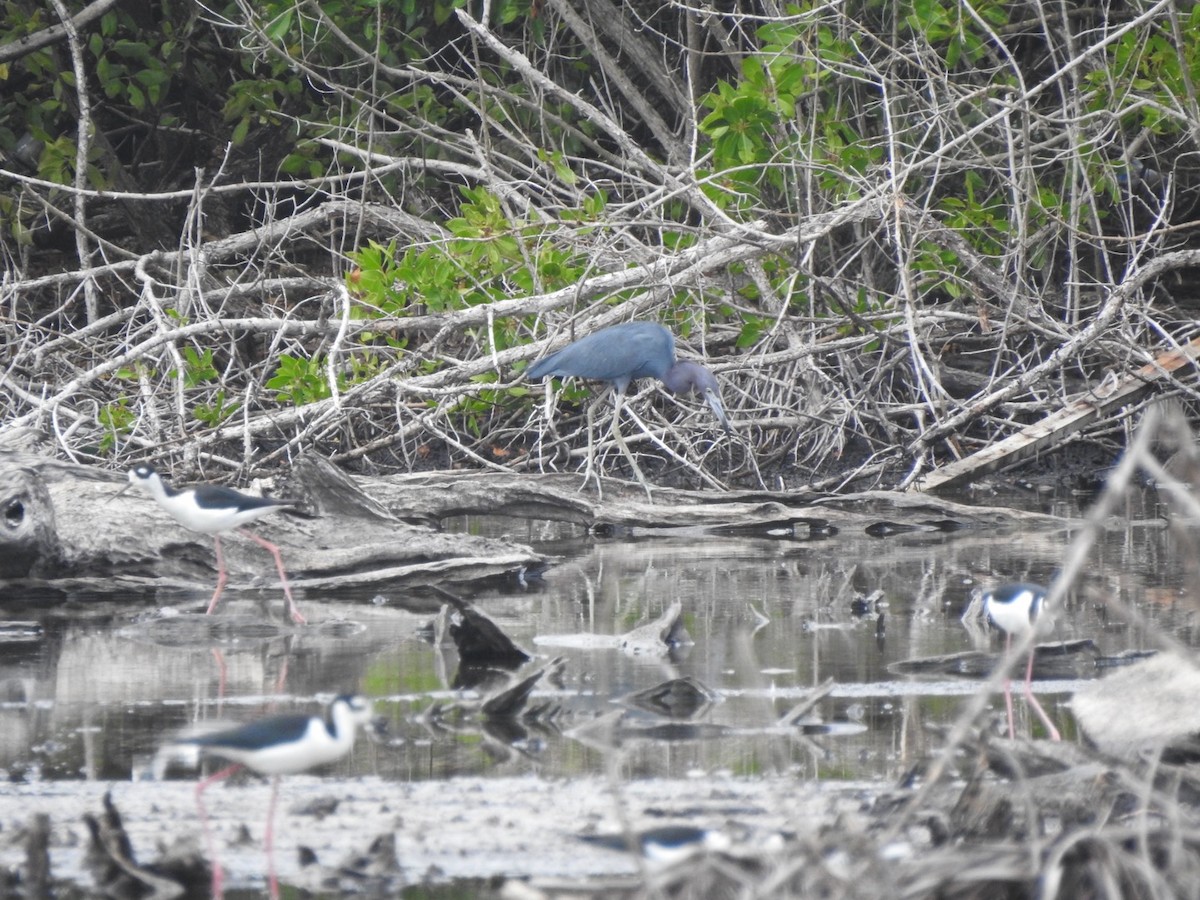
[(61, 524), (623, 511)]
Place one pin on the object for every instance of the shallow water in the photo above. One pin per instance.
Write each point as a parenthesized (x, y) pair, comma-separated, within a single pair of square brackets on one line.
[(90, 686)]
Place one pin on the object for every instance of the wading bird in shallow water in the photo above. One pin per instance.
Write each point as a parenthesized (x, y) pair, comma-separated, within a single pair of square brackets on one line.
[(1017, 609), (212, 509), (279, 745), (626, 352), (666, 845)]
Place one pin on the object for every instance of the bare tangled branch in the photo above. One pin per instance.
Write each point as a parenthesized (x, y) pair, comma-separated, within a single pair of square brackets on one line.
[(907, 254)]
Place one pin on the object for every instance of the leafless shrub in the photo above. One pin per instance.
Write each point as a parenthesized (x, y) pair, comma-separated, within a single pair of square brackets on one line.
[(863, 331)]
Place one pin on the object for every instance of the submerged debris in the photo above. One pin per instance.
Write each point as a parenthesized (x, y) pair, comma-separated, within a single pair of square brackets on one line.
[(678, 698), (1057, 660), (665, 636), (512, 701), (118, 875), (481, 643)]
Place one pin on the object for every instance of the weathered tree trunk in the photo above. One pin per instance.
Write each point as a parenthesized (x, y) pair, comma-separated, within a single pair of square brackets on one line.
[(63, 523)]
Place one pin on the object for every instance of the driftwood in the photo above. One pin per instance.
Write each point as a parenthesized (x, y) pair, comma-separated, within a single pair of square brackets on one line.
[(1147, 708), (513, 701), (63, 525), (1062, 659), (1055, 428), (666, 636), (117, 873), (480, 642), (623, 511)]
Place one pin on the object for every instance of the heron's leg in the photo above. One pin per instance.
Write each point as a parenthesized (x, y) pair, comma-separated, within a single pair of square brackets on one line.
[(618, 401), (556, 442), (592, 471)]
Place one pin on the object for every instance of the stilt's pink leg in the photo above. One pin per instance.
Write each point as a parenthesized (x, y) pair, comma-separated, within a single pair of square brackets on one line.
[(281, 681), (287, 590), (222, 576), (1032, 700), (269, 842), (222, 676), (1012, 732), (217, 876)]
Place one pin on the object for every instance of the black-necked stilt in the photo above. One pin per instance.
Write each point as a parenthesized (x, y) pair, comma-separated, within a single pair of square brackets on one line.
[(211, 509), (279, 745), (666, 845), (1018, 609)]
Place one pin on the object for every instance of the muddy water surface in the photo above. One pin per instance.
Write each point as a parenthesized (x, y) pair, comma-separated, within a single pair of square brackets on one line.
[(91, 686)]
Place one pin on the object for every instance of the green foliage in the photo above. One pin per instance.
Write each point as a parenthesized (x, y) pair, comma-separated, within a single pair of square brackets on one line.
[(486, 239), (198, 367), (58, 160), (376, 282), (216, 412), (746, 116), (116, 420), (18, 230), (939, 268), (166, 70), (484, 260), (57, 163), (132, 66), (947, 26), (557, 162), (422, 280), (980, 215), (487, 257), (752, 328), (1147, 77), (131, 71), (475, 410), (258, 101), (299, 380), (753, 122), (199, 371)]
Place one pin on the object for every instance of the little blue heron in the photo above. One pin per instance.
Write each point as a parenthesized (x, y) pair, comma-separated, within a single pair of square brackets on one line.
[(624, 352), (211, 509), (1019, 609)]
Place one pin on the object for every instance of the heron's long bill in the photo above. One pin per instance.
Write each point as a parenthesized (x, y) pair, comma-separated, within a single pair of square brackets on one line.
[(713, 399)]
